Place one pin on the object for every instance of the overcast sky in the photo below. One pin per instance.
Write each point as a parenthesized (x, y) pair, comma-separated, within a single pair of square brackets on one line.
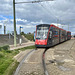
[(30, 15)]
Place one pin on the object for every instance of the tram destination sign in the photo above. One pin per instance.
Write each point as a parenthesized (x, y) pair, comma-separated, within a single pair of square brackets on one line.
[(42, 28)]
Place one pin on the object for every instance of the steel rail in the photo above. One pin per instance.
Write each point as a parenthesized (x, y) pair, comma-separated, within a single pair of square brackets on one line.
[(43, 62)]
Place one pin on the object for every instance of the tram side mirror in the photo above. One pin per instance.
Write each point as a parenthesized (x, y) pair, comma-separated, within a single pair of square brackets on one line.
[(50, 34)]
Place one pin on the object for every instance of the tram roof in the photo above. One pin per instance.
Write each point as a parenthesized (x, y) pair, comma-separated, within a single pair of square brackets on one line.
[(52, 26)]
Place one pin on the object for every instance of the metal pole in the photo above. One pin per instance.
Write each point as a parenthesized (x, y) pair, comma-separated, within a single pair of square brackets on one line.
[(14, 23), (62, 27), (68, 27), (20, 29), (4, 29), (58, 22)]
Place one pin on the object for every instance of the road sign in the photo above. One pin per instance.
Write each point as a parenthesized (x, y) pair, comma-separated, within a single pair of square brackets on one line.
[(21, 27)]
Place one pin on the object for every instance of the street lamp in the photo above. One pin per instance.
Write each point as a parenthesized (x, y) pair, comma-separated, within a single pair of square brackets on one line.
[(15, 15)]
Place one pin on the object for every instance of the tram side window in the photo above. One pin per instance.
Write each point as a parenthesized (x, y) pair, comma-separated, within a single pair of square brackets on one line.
[(55, 32), (63, 34), (69, 33), (50, 34)]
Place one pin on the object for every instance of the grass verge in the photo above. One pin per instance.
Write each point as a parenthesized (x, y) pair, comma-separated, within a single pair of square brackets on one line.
[(11, 69), (25, 48), (7, 64)]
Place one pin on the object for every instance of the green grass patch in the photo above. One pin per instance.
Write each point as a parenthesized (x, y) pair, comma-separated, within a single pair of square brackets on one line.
[(6, 58), (7, 64), (25, 48), (28, 36), (11, 69), (4, 47), (1, 55)]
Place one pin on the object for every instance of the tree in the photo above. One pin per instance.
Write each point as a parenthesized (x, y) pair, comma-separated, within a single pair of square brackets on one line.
[(22, 33)]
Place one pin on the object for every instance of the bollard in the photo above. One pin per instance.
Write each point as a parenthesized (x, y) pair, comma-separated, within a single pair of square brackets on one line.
[(20, 41)]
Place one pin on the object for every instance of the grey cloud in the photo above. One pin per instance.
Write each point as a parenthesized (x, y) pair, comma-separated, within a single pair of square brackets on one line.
[(49, 12)]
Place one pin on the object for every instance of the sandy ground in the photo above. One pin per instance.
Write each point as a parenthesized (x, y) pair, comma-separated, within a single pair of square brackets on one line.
[(61, 59)]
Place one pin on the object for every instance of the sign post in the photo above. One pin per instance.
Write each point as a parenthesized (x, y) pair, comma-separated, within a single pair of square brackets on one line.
[(20, 29)]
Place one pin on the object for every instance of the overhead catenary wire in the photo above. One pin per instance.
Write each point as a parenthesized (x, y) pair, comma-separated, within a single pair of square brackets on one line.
[(52, 10), (52, 14), (47, 4), (47, 10), (57, 18), (61, 20)]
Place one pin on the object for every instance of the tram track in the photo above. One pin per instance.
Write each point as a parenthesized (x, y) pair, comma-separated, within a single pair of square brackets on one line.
[(19, 66), (43, 62), (29, 56)]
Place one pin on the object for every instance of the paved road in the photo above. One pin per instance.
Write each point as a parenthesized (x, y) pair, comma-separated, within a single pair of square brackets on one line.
[(60, 60)]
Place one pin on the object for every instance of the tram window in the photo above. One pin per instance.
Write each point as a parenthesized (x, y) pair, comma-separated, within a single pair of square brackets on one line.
[(63, 34), (55, 32), (50, 34)]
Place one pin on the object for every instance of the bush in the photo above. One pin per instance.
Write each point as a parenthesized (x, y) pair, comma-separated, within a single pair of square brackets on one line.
[(22, 33), (29, 37), (4, 47), (8, 51)]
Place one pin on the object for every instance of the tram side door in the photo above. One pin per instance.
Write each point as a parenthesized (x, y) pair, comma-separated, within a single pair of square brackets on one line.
[(59, 36), (50, 38)]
